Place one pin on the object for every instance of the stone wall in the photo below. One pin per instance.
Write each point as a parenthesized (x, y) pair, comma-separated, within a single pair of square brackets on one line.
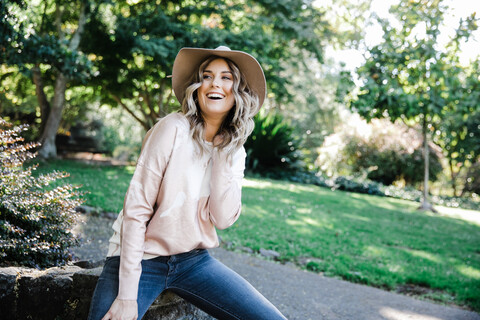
[(65, 293)]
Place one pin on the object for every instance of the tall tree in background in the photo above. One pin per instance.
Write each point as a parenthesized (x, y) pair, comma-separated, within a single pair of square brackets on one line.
[(47, 50), (409, 77)]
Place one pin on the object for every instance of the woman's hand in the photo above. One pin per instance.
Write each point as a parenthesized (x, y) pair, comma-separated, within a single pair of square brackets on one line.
[(122, 310)]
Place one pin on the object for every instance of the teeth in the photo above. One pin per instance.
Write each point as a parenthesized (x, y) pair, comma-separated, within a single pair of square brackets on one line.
[(214, 96)]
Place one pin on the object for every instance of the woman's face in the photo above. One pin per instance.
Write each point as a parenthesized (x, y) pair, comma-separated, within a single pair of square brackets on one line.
[(215, 95)]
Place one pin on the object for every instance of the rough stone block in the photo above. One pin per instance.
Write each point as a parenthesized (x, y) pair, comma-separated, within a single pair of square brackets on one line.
[(8, 278), (42, 294), (84, 283), (66, 293)]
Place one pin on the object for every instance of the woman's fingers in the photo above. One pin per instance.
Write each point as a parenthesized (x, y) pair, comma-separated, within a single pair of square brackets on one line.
[(108, 316), (122, 310)]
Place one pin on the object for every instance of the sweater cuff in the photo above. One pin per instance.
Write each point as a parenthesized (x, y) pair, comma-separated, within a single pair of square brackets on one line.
[(128, 287)]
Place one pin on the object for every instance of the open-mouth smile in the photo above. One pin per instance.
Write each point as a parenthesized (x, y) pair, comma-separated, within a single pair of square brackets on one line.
[(215, 96)]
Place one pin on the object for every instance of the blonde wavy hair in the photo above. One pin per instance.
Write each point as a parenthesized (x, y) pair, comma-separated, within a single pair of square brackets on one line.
[(238, 124)]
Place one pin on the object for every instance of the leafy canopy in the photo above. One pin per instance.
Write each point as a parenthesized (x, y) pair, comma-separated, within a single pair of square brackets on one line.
[(133, 46)]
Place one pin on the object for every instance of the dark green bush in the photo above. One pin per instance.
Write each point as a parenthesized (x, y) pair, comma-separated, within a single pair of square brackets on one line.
[(35, 218), (379, 151), (408, 193), (349, 184), (271, 148), (309, 178), (386, 162)]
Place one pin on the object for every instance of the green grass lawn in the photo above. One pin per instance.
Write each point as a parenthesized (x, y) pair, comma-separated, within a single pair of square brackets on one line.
[(105, 185), (378, 241)]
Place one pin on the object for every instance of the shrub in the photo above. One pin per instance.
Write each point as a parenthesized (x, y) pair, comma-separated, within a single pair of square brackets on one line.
[(35, 217), (271, 148), (359, 185), (353, 185), (389, 162), (382, 151)]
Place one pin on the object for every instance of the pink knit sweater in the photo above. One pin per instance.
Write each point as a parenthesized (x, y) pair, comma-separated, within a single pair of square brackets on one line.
[(175, 200)]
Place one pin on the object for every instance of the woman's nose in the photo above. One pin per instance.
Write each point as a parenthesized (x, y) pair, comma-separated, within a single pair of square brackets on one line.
[(216, 83)]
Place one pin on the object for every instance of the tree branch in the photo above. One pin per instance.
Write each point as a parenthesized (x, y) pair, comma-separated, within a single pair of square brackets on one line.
[(82, 19), (124, 106), (142, 110), (161, 105), (146, 98), (168, 99), (58, 21), (43, 17)]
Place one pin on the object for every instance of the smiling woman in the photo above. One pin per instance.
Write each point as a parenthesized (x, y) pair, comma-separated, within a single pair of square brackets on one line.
[(215, 95), (186, 184), (221, 75)]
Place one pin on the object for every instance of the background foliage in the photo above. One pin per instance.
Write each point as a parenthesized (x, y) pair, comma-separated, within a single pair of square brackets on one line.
[(272, 148), (410, 77), (126, 50)]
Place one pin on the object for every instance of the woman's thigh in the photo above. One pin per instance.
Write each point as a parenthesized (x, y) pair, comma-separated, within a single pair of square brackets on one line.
[(106, 289), (152, 283), (221, 292)]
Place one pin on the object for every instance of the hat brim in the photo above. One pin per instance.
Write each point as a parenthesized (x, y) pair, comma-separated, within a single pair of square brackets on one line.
[(189, 59)]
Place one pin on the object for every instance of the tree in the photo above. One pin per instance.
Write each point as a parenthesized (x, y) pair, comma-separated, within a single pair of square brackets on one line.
[(134, 46), (311, 109), (310, 105), (16, 90), (458, 134), (409, 77), (44, 43)]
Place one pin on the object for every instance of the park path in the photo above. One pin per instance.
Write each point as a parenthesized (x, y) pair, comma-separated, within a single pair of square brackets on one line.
[(303, 295), (299, 294)]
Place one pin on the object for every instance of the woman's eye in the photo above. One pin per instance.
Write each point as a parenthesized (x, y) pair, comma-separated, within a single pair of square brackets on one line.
[(226, 78), (206, 76)]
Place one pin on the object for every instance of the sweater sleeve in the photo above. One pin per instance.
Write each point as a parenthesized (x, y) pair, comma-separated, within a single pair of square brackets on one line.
[(139, 203), (225, 203)]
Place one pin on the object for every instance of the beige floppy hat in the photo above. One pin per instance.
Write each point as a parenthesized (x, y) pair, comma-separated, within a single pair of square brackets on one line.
[(189, 59)]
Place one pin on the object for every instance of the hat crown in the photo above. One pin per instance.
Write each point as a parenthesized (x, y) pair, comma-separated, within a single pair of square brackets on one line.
[(223, 48)]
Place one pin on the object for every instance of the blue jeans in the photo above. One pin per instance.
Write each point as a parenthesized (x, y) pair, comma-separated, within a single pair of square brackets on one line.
[(196, 277)]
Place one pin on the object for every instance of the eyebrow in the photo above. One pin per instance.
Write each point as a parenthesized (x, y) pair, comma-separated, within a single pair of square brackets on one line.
[(221, 72)]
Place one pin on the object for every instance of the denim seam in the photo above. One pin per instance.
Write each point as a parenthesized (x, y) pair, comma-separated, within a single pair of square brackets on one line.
[(201, 298), (167, 274)]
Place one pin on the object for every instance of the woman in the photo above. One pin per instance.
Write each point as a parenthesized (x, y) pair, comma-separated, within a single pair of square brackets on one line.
[(187, 182)]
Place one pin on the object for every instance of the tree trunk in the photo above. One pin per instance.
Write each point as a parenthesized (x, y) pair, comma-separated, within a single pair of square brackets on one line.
[(41, 98), (452, 177), (48, 149), (426, 205)]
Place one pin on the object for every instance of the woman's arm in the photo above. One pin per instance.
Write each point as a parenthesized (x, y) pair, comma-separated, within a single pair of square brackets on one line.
[(225, 203), (140, 201)]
